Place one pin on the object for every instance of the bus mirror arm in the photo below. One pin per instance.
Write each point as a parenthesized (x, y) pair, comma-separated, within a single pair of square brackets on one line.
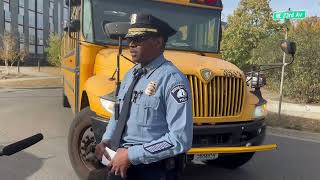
[(116, 31)]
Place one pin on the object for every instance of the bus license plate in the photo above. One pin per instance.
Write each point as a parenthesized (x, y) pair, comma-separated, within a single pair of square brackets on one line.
[(205, 157)]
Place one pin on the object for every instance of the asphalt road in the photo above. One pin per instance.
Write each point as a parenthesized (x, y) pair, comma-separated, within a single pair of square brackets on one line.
[(26, 112)]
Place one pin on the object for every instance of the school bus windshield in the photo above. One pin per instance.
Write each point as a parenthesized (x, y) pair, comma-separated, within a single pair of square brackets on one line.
[(197, 28)]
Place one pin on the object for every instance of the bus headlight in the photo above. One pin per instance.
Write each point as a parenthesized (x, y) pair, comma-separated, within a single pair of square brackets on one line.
[(107, 105), (261, 111)]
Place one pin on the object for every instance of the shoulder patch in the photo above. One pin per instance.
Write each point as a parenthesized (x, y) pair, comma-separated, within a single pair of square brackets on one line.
[(158, 147), (179, 93)]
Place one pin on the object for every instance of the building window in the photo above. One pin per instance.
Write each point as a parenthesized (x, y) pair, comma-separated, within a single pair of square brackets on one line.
[(7, 16), (21, 47), (40, 21), (32, 19), (6, 6), (20, 19), (51, 26), (65, 13), (31, 49), (51, 7), (40, 6), (21, 10), (21, 3), (7, 26), (40, 37), (32, 36), (21, 34), (40, 49), (59, 17), (32, 5)]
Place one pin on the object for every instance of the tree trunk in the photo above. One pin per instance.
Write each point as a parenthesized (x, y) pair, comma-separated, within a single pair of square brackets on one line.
[(7, 68), (11, 65), (18, 66)]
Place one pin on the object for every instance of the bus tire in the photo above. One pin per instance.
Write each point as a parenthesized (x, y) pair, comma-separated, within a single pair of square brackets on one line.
[(231, 161), (81, 144)]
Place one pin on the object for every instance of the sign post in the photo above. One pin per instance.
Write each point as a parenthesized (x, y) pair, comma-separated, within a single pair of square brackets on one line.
[(286, 15)]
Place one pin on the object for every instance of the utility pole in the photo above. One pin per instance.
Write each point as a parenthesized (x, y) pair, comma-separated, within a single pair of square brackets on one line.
[(282, 73)]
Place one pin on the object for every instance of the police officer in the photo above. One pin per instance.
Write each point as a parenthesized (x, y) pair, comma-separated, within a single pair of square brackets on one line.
[(155, 109)]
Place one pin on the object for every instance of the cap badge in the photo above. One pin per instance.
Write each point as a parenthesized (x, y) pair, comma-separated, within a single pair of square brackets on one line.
[(151, 88), (133, 19), (206, 74)]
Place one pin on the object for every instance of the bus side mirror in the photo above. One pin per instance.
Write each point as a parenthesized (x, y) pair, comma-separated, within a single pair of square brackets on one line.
[(73, 26), (288, 47), (116, 30)]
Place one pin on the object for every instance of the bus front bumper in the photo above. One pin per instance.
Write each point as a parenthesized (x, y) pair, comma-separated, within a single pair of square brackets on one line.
[(229, 138)]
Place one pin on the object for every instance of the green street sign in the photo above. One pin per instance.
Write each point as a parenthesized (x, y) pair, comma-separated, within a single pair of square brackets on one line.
[(289, 15)]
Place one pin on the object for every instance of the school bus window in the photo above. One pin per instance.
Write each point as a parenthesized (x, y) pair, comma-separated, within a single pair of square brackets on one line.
[(198, 25), (87, 21)]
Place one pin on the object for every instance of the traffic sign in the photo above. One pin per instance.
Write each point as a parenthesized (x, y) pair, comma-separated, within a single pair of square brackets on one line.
[(281, 15)]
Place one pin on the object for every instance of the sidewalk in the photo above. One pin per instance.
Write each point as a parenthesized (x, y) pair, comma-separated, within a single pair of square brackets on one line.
[(30, 77), (298, 110)]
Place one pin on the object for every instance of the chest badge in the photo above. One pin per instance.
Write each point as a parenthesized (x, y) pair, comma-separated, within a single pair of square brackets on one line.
[(151, 88)]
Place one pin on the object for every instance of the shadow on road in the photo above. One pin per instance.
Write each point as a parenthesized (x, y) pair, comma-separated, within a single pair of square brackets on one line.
[(204, 172), (193, 172), (19, 166)]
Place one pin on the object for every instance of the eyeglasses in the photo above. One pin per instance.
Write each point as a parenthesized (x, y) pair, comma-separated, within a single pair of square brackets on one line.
[(138, 39)]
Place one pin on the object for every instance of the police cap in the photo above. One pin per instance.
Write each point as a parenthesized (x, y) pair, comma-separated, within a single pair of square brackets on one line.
[(143, 24)]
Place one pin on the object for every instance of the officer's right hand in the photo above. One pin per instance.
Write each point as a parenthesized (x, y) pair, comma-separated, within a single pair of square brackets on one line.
[(100, 149)]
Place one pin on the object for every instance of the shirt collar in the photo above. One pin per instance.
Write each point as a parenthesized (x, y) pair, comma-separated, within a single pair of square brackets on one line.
[(153, 65)]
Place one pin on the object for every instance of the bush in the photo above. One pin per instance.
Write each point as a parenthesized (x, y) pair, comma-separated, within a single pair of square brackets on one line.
[(54, 50), (301, 80)]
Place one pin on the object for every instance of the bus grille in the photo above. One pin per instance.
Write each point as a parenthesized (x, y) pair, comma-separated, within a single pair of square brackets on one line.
[(222, 96)]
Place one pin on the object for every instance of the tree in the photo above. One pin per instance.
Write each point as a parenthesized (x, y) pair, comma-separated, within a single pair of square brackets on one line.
[(250, 23), (302, 80), (54, 49), (23, 54), (8, 50)]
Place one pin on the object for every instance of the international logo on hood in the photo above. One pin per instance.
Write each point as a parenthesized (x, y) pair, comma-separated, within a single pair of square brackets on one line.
[(206, 74)]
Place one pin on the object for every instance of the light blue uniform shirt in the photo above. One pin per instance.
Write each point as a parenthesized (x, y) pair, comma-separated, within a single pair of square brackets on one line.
[(160, 122)]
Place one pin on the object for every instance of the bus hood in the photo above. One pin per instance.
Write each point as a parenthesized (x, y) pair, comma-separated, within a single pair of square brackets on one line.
[(188, 63)]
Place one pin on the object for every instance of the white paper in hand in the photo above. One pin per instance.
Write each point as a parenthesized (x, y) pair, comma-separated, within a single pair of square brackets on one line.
[(111, 153)]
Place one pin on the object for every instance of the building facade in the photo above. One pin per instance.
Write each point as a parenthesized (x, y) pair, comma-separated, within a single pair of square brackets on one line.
[(33, 21)]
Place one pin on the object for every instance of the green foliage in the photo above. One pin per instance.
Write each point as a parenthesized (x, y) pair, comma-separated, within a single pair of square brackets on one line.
[(250, 22), (302, 80), (54, 50)]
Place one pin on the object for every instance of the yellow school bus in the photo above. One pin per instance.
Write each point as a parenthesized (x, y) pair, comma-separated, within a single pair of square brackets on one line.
[(228, 115)]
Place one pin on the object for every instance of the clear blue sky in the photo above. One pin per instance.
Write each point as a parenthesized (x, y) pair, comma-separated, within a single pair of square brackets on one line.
[(311, 6)]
